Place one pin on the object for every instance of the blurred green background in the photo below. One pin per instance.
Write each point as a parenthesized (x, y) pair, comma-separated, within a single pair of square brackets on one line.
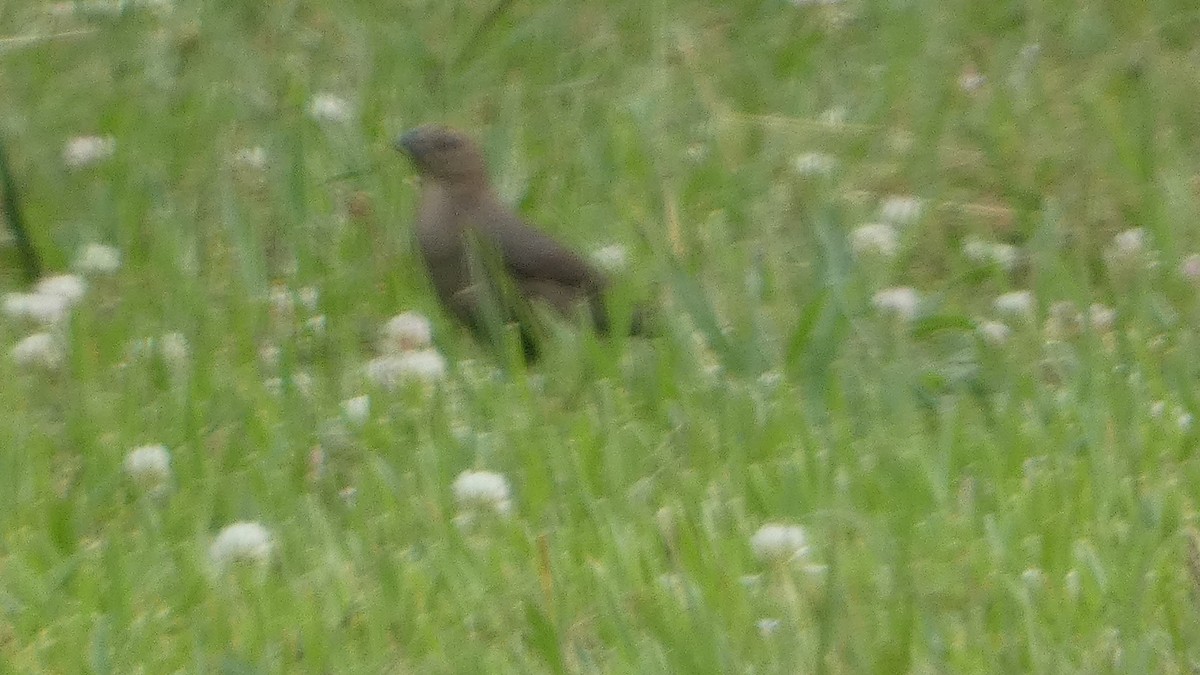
[(969, 503)]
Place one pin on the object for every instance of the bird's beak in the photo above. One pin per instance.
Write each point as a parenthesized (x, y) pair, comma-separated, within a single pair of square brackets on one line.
[(407, 142)]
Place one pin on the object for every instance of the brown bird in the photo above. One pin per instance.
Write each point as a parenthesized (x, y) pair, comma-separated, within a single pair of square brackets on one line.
[(487, 265)]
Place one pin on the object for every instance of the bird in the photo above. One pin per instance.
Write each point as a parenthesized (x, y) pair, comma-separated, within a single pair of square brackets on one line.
[(489, 267)]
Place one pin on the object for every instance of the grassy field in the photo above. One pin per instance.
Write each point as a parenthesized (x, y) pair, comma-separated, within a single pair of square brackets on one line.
[(806, 471)]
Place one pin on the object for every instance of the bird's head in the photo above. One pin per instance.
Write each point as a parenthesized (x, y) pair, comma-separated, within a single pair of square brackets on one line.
[(443, 154)]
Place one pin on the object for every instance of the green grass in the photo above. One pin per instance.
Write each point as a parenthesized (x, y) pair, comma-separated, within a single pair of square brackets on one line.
[(1021, 508)]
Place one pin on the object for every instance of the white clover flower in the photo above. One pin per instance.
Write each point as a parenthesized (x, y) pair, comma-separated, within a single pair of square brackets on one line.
[(309, 297), (876, 239), (270, 355), (14, 304), (85, 151), (1033, 578), (254, 157), (1016, 304), (316, 324), (1102, 317), (977, 250), (814, 164), (424, 364), (980, 252), (994, 333), (1005, 255), (767, 626), (357, 409), (901, 302), (149, 466), (1189, 268), (1157, 409), (1184, 421), (611, 258), (282, 300), (96, 258), (779, 542), (483, 490), (835, 116), (241, 543), (901, 209), (405, 332), (43, 350), (393, 370), (1130, 242), (39, 307), (971, 80), (174, 347), (66, 286), (326, 107), (1128, 251)]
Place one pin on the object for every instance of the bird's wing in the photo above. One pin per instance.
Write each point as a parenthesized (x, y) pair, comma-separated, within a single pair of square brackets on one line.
[(529, 254), (527, 268)]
